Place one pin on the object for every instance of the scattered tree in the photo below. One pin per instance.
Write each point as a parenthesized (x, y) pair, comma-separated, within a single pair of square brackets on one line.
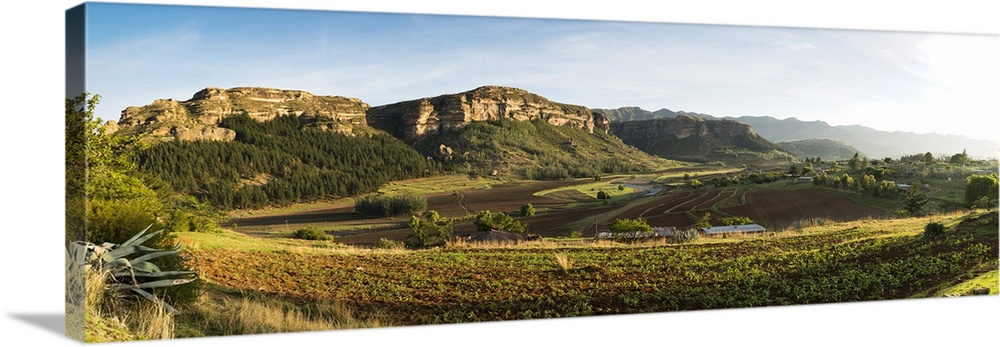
[(933, 229), (432, 230), (914, 201), (854, 163), (705, 221), (527, 210), (630, 229), (735, 220), (959, 159), (487, 220), (981, 186)]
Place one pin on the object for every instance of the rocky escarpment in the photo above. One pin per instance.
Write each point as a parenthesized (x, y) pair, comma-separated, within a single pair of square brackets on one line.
[(410, 120), (198, 118), (695, 139)]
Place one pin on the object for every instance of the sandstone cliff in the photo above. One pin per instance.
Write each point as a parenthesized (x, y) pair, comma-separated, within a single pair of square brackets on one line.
[(413, 119), (198, 118), (696, 139)]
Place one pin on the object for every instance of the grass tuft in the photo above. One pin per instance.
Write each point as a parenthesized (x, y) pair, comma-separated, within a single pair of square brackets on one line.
[(564, 262)]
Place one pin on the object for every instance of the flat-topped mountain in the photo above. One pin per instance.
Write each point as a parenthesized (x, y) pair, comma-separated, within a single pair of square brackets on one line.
[(413, 119), (822, 148), (199, 117), (697, 139)]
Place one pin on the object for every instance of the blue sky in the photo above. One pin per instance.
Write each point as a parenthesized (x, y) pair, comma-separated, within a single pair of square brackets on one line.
[(921, 82)]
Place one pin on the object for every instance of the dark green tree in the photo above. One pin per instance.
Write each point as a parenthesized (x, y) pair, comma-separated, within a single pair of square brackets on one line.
[(960, 158), (630, 229), (705, 221), (980, 186), (527, 210), (430, 231), (854, 163), (487, 220), (928, 157), (915, 201)]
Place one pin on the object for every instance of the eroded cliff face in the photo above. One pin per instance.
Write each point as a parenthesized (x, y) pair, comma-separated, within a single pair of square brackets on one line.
[(696, 139), (199, 117), (679, 127), (410, 120)]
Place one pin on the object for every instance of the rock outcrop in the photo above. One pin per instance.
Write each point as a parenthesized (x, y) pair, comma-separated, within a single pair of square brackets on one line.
[(410, 120), (679, 127), (692, 138), (199, 117)]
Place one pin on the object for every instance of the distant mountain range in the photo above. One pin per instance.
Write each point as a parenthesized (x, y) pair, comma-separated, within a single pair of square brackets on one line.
[(876, 143)]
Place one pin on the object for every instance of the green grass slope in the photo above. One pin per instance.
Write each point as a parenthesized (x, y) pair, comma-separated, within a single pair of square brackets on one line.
[(537, 150)]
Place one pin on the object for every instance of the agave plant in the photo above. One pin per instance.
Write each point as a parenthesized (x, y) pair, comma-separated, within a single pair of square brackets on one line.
[(137, 274)]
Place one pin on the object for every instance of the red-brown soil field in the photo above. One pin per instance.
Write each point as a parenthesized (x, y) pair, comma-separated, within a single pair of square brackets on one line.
[(779, 208)]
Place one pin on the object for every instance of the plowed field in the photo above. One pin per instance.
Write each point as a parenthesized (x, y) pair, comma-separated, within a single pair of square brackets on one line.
[(779, 208)]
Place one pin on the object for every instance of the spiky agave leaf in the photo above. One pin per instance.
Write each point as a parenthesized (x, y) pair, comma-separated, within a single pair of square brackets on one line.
[(124, 272)]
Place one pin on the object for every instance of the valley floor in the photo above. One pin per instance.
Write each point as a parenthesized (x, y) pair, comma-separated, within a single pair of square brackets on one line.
[(560, 277)]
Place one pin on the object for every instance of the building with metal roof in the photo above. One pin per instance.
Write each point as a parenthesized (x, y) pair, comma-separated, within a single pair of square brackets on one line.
[(733, 229)]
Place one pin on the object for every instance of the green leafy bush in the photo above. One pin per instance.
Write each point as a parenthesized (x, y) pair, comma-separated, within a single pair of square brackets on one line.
[(627, 229), (384, 243), (311, 233), (933, 229), (527, 210), (487, 220), (430, 231), (735, 220)]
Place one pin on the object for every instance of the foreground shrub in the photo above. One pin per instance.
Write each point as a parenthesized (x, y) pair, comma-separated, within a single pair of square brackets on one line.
[(311, 233), (385, 243), (933, 229)]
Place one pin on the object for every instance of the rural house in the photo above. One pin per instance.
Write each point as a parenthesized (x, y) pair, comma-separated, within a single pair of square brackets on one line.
[(734, 229)]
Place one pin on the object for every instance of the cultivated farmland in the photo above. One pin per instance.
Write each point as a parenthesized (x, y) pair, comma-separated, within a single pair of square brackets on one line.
[(838, 262)]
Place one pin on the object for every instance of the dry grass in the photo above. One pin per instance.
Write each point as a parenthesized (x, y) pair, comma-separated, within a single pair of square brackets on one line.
[(257, 315), (110, 316), (564, 262)]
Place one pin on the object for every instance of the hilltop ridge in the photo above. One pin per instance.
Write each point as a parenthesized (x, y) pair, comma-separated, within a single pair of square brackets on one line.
[(413, 119), (198, 118)]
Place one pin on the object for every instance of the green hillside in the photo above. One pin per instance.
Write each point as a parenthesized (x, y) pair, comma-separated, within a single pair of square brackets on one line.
[(279, 162), (535, 150)]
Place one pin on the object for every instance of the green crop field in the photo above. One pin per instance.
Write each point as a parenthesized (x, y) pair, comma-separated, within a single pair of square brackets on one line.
[(838, 262)]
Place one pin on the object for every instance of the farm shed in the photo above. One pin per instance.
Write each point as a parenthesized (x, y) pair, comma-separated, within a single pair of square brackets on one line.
[(664, 231), (805, 179), (904, 187), (733, 229), (657, 232)]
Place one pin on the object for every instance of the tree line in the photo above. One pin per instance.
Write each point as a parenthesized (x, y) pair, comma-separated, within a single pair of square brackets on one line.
[(279, 162)]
